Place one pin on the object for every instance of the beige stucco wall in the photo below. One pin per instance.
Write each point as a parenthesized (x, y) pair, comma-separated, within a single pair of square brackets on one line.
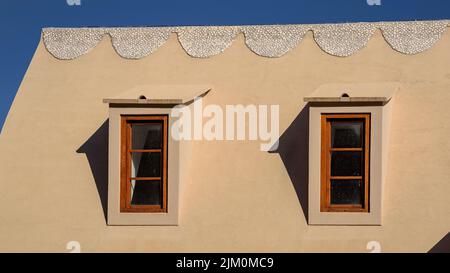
[(233, 196)]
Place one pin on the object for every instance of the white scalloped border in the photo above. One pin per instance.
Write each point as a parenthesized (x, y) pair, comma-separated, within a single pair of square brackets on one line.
[(411, 37)]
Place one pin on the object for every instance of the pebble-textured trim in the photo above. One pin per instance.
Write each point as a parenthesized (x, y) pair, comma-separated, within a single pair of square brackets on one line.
[(413, 38), (343, 39), (265, 40), (203, 42)]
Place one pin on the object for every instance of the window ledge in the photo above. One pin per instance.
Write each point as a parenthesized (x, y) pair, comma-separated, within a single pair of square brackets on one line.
[(376, 93), (347, 99), (160, 94)]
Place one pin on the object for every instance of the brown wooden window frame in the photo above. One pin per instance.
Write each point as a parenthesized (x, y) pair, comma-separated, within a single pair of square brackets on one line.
[(125, 169), (326, 150)]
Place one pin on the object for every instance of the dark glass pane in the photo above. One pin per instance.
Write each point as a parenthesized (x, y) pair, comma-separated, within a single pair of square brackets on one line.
[(146, 165), (346, 164), (146, 136), (145, 192), (346, 134), (346, 192)]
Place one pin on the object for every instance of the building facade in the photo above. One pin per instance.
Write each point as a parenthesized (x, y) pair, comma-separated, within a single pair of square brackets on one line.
[(63, 146)]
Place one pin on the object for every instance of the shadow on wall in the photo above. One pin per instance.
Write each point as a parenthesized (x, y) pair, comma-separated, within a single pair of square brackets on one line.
[(96, 150), (443, 246), (293, 146)]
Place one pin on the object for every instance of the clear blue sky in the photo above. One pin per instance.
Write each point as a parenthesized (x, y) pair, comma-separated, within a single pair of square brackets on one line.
[(22, 20)]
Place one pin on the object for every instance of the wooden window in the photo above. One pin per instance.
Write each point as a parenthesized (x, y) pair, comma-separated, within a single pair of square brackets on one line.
[(345, 162), (143, 185)]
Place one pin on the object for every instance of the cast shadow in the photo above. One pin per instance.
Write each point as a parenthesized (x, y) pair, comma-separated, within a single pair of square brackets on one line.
[(293, 147), (96, 150), (443, 246)]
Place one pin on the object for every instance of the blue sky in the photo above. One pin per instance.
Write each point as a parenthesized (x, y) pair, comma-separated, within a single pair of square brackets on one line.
[(22, 20)]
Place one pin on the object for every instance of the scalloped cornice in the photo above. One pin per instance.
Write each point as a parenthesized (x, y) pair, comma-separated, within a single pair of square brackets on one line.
[(265, 40)]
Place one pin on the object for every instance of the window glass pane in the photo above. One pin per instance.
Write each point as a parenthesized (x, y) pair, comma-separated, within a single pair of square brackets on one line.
[(346, 134), (346, 192), (145, 192), (346, 164), (146, 165), (146, 136)]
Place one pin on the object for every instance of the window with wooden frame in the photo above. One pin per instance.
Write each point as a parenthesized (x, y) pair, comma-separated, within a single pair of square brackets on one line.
[(143, 181), (345, 147)]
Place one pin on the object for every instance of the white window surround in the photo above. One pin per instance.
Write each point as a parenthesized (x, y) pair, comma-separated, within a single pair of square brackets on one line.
[(147, 100), (115, 217), (380, 109)]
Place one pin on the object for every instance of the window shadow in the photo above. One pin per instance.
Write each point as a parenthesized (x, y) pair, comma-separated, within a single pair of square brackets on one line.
[(293, 147), (443, 246), (96, 150)]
